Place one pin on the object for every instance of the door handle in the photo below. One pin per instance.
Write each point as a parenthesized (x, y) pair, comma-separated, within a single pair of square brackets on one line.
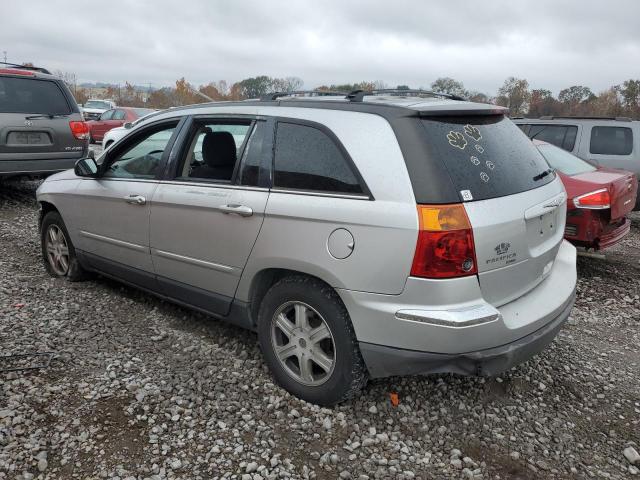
[(236, 209), (135, 199)]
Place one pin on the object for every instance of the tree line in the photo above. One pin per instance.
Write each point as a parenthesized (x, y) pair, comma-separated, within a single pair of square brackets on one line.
[(515, 94)]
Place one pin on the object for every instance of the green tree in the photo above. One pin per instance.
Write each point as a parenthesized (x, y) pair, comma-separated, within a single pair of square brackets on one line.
[(514, 94), (255, 87), (450, 86)]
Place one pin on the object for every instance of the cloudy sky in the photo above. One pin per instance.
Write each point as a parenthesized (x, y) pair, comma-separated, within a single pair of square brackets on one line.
[(552, 43)]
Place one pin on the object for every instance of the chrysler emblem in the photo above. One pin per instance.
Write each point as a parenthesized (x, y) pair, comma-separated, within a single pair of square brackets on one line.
[(28, 123)]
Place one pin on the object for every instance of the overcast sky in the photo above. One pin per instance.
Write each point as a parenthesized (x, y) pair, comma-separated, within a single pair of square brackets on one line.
[(552, 43)]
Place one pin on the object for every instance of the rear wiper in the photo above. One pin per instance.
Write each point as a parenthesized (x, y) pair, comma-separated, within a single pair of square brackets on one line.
[(541, 175), (47, 115)]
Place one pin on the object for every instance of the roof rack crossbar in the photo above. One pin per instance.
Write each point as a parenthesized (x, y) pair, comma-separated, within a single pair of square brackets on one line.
[(26, 67), (270, 97), (358, 95)]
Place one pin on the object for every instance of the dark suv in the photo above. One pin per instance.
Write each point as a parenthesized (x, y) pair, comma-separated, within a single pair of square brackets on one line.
[(41, 127)]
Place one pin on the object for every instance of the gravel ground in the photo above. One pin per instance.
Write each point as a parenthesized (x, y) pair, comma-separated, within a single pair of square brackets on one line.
[(141, 389)]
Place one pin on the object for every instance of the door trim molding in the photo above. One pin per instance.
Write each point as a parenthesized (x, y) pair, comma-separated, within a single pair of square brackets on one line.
[(115, 241), (194, 261)]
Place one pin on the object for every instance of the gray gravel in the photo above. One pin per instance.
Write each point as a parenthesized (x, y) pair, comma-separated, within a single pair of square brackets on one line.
[(142, 389)]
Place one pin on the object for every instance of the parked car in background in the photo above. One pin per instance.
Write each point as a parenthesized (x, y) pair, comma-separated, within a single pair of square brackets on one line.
[(599, 198), (611, 142), (114, 118), (94, 107), (41, 128), (117, 133), (367, 235)]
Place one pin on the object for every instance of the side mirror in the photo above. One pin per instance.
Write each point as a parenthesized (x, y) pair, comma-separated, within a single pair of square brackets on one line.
[(128, 125), (86, 167)]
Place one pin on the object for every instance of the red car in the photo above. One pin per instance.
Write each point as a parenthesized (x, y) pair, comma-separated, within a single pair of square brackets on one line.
[(599, 198), (116, 117)]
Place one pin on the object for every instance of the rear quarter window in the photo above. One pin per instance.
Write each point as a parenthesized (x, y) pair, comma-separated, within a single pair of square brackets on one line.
[(306, 158), (611, 141), (28, 95), (485, 156)]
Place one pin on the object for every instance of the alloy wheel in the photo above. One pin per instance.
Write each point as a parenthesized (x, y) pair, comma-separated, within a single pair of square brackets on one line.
[(303, 343), (57, 250)]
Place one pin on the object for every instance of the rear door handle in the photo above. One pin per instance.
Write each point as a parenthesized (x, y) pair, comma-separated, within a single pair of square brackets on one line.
[(236, 209), (135, 199)]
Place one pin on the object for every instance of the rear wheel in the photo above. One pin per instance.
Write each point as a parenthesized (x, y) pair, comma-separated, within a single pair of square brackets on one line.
[(57, 250), (308, 341)]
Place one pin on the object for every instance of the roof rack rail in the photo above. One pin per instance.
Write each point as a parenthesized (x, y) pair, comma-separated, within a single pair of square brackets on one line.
[(584, 117), (26, 67), (270, 97), (358, 95)]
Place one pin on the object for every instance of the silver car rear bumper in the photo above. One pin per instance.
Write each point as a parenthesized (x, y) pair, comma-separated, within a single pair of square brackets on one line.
[(447, 326), (388, 361)]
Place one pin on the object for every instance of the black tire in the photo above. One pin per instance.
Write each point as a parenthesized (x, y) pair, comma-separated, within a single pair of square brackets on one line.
[(74, 272), (349, 374)]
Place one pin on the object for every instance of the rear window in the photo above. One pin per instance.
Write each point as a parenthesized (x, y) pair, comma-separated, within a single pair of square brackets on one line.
[(611, 140), (563, 136), (27, 95), (564, 161), (485, 156)]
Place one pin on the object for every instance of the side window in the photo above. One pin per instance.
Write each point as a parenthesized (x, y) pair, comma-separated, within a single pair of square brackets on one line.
[(142, 158), (108, 115), (563, 136), (308, 159), (213, 151), (611, 141), (252, 160), (118, 115)]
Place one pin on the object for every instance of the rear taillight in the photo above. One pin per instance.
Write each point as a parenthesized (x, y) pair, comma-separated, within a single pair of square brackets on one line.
[(445, 246), (597, 200), (80, 130)]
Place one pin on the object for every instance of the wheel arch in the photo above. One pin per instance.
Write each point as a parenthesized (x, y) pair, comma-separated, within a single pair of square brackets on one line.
[(264, 279), (45, 207)]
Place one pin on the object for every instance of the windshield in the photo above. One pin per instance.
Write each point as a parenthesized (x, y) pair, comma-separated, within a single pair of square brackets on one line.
[(25, 95), (485, 156), (97, 104), (564, 161)]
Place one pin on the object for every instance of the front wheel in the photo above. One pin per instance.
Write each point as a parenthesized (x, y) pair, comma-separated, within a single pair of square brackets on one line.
[(57, 250), (308, 341)]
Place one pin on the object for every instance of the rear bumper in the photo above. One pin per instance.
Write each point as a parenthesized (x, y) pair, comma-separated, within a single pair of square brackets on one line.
[(36, 167), (385, 361), (613, 236), (447, 326)]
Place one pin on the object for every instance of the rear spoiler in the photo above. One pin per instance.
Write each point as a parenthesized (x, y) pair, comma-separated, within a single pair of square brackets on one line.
[(451, 109)]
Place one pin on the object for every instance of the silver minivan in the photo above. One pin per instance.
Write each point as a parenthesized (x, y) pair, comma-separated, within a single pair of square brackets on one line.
[(368, 235)]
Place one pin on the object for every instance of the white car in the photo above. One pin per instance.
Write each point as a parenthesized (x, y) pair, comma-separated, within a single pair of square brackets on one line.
[(117, 133), (93, 108)]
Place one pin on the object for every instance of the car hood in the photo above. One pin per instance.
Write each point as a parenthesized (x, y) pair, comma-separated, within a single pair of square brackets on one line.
[(93, 110), (66, 175)]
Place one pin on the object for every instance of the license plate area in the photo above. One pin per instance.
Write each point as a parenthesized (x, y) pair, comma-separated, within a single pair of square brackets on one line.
[(28, 139), (543, 228)]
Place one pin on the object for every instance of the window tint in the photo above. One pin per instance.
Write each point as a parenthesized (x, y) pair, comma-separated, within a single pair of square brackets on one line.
[(213, 151), (23, 95), (142, 159), (253, 160), (564, 161), (485, 156), (118, 115), (563, 136), (108, 115), (611, 140), (308, 159)]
